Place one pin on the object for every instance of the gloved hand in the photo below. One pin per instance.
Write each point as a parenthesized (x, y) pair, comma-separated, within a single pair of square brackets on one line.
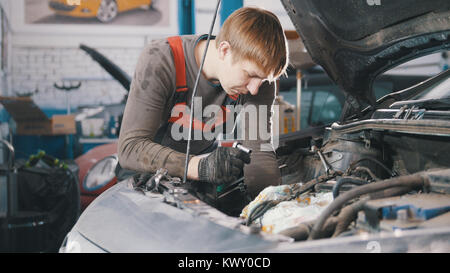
[(224, 165)]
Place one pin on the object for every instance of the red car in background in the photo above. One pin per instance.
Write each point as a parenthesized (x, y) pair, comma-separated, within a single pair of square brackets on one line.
[(97, 166), (96, 172)]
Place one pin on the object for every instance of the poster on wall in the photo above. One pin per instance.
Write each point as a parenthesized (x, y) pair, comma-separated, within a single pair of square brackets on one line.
[(95, 16)]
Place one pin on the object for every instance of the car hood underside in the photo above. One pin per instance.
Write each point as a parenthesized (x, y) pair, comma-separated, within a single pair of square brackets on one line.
[(356, 40)]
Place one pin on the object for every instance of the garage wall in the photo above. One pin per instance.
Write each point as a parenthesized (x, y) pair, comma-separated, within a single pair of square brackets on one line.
[(39, 60), (36, 61), (36, 68)]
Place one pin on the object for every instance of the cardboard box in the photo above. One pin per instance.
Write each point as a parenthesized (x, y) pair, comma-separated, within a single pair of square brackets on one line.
[(31, 120)]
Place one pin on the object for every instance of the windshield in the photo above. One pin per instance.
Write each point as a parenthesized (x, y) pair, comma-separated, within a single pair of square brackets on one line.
[(439, 90)]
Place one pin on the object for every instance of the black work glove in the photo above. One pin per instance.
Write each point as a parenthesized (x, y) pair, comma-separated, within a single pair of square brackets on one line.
[(224, 165)]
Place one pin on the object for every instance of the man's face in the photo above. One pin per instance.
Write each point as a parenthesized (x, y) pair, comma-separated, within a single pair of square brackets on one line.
[(240, 76)]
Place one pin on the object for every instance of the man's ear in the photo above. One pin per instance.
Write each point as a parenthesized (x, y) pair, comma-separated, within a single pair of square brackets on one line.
[(224, 49)]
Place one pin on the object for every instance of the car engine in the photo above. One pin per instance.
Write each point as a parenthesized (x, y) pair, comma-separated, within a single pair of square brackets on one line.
[(387, 173)]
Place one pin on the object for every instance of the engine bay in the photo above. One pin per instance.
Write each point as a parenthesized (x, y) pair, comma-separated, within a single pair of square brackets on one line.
[(355, 160), (368, 177)]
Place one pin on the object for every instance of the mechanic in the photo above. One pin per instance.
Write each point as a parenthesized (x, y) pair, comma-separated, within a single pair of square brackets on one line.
[(240, 68)]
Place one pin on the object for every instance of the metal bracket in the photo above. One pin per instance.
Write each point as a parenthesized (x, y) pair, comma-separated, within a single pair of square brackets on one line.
[(335, 157), (409, 111), (326, 165), (400, 111)]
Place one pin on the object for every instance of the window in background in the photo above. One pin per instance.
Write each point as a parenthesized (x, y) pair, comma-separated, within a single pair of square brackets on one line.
[(326, 108)]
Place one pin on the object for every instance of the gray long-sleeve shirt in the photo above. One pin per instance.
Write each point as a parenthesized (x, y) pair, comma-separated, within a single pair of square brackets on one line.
[(149, 106)]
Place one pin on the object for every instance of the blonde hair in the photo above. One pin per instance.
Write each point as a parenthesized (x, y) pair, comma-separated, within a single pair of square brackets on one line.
[(256, 35)]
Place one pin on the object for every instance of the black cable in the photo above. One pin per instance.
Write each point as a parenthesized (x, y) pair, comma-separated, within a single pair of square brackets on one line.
[(261, 209), (307, 187), (264, 206), (256, 211), (346, 180), (186, 163), (267, 206), (368, 171), (139, 179), (391, 173), (313, 182)]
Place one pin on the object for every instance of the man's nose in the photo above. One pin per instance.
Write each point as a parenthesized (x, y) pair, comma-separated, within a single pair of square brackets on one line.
[(253, 86)]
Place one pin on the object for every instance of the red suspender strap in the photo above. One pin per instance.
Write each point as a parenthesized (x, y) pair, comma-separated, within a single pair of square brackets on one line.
[(180, 67), (180, 97), (232, 97)]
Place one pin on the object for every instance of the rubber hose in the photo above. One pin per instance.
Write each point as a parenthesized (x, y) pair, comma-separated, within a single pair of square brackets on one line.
[(375, 161), (414, 181), (347, 180), (349, 213), (301, 232)]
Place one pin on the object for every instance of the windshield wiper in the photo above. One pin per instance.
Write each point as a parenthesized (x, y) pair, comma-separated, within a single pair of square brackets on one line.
[(429, 104)]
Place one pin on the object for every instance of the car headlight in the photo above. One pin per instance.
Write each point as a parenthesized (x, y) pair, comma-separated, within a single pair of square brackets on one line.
[(101, 173)]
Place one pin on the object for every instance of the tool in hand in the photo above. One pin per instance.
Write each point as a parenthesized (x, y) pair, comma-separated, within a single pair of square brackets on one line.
[(241, 147)]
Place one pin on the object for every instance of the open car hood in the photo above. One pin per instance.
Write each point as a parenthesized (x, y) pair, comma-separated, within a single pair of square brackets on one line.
[(356, 40), (114, 70)]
